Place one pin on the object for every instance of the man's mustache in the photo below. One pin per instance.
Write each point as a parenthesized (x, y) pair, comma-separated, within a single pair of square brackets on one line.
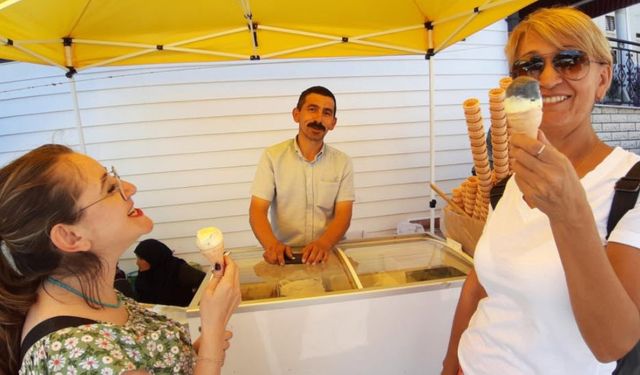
[(316, 125)]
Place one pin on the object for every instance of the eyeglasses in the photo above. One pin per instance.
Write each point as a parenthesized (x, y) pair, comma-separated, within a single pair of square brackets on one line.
[(116, 186), (570, 64)]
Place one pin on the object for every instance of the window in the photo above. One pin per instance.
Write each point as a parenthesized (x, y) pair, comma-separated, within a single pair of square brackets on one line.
[(611, 23)]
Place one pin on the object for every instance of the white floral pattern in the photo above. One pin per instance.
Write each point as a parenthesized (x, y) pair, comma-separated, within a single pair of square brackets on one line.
[(109, 349)]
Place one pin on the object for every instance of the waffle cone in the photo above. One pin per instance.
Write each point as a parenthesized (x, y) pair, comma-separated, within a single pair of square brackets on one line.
[(526, 122)]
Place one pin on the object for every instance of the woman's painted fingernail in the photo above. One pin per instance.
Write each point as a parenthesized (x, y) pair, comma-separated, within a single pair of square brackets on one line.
[(217, 267)]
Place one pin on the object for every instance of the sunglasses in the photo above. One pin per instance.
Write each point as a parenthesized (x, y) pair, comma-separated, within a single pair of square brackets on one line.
[(115, 186), (569, 64)]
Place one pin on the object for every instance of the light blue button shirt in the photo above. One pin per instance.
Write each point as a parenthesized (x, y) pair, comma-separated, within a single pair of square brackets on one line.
[(302, 193)]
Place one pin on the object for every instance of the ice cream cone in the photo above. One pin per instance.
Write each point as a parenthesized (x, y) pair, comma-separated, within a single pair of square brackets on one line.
[(475, 126), (471, 106), (211, 244), (496, 95), (526, 122), (523, 106), (473, 118), (505, 82)]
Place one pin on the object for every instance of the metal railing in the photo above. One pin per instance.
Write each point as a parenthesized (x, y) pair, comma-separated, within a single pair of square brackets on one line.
[(625, 85)]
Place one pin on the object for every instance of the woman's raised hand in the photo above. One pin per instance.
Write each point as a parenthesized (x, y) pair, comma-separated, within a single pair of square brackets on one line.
[(220, 299), (545, 176)]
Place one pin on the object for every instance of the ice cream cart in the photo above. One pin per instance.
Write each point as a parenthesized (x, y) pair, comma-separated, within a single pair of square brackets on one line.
[(380, 306)]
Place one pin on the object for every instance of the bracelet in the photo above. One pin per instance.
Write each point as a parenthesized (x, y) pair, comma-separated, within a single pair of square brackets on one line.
[(218, 362)]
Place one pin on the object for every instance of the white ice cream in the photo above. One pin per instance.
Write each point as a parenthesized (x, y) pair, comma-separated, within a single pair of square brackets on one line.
[(211, 244), (514, 104), (525, 120), (523, 106)]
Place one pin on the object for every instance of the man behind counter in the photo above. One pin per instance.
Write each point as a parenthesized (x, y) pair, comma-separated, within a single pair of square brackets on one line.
[(307, 184)]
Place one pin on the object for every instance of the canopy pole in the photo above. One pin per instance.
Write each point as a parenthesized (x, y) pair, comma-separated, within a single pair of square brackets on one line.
[(68, 54), (432, 151), (76, 110), (432, 134)]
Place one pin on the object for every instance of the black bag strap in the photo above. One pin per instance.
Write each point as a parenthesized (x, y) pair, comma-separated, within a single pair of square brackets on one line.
[(630, 363), (626, 194), (625, 197), (49, 326), (497, 190)]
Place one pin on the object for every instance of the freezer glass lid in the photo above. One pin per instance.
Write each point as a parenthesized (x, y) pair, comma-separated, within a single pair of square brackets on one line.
[(399, 262), (261, 280)]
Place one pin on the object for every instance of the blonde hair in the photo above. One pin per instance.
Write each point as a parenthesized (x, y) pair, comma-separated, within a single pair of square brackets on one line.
[(559, 26)]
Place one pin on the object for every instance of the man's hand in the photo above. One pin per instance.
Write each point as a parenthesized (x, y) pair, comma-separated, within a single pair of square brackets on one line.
[(316, 252), (275, 253)]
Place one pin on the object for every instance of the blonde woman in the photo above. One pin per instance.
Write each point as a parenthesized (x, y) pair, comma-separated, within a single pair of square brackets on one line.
[(549, 294)]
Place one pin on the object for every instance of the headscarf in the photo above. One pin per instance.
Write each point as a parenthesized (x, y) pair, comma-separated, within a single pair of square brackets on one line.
[(161, 284)]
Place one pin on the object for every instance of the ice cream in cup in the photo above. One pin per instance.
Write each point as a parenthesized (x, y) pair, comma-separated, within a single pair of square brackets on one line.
[(523, 106), (211, 244)]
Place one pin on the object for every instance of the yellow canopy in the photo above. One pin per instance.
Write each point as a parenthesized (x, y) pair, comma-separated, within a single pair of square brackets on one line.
[(87, 33), (80, 34)]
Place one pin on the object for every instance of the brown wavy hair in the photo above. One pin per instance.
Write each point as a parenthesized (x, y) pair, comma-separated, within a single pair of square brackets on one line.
[(37, 191)]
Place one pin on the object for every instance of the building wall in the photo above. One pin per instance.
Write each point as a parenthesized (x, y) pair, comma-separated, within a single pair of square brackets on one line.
[(632, 24), (189, 136), (618, 126)]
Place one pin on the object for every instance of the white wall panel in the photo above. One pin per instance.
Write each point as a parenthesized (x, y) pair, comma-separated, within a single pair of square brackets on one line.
[(184, 162), (189, 136), (33, 122)]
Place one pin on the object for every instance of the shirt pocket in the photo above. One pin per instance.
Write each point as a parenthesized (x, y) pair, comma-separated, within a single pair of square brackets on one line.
[(327, 193)]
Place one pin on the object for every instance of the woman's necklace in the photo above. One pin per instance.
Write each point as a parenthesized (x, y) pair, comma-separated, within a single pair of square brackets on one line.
[(592, 159), (78, 293)]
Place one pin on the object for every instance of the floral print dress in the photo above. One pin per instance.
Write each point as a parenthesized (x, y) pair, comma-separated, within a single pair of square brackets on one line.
[(147, 341)]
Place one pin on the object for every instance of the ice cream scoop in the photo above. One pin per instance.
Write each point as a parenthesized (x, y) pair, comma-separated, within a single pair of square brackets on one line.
[(523, 106), (211, 244)]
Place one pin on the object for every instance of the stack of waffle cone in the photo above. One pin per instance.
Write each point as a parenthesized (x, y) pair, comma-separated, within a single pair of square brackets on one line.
[(481, 209), (472, 195), (457, 196), (499, 135), (478, 142), (470, 189)]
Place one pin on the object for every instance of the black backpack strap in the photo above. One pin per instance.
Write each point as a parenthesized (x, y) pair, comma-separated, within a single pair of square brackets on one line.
[(497, 190), (626, 194), (625, 197), (49, 326)]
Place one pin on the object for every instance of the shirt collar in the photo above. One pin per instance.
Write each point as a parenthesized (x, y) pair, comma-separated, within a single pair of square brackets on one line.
[(299, 152)]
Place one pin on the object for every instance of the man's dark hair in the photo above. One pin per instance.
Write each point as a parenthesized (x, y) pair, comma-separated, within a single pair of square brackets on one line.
[(320, 90)]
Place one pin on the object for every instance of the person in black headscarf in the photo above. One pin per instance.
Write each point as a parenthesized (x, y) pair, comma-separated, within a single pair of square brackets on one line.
[(121, 283), (163, 278)]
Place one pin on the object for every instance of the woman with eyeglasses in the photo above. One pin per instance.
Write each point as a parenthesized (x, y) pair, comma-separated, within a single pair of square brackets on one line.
[(64, 222), (548, 293)]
